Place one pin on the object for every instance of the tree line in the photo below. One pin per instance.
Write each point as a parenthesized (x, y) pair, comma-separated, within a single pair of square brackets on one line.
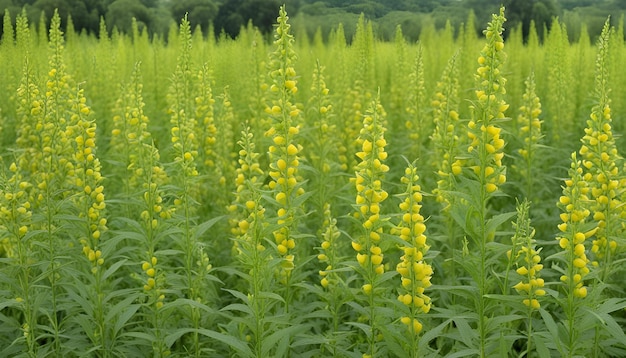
[(228, 16)]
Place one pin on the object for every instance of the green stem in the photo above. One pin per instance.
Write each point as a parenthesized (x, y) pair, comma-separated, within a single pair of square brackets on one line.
[(157, 331), (24, 277), (259, 302), (529, 164), (481, 291), (335, 313), (451, 225), (571, 309), (189, 247), (29, 318), (529, 327), (99, 314), (52, 276), (372, 309), (482, 242)]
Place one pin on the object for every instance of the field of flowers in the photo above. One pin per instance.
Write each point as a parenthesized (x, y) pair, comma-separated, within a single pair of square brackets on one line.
[(460, 196)]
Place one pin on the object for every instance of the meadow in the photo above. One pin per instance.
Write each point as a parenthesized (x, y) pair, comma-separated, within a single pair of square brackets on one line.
[(271, 197)]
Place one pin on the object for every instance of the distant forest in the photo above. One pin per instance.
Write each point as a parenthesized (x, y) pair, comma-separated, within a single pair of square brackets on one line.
[(226, 17)]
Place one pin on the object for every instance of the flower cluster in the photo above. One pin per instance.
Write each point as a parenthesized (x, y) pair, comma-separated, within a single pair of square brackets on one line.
[(183, 139), (530, 132), (531, 284), (55, 129), (284, 152), (369, 191), (282, 73), (486, 145), (225, 160), (488, 75), (89, 180), (415, 274), (30, 111), (130, 129), (603, 164), (15, 212), (330, 234), (284, 183), (131, 126), (574, 230), (416, 103), (248, 225), (319, 102), (247, 181), (155, 208), (183, 122), (526, 258), (445, 136), (151, 285), (599, 159), (203, 269), (356, 97), (528, 119), (205, 114), (368, 179), (320, 92), (487, 137)]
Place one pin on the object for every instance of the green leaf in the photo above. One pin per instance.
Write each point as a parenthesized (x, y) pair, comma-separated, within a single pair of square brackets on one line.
[(467, 334), (275, 339), (366, 328), (138, 236), (121, 293), (170, 252), (495, 221), (82, 299), (501, 321), (238, 307), (231, 341), (238, 295), (614, 329), (309, 340), (358, 308), (148, 338), (552, 328), (272, 296), (202, 228), (386, 276), (540, 346), (431, 334), (115, 310), (234, 343), (464, 353), (192, 303), (607, 323), (9, 303), (127, 313), (111, 270), (612, 305)]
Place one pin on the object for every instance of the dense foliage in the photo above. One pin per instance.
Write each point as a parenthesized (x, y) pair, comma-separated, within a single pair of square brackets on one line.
[(459, 196)]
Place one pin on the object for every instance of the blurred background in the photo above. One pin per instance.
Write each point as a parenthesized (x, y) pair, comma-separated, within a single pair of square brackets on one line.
[(226, 17)]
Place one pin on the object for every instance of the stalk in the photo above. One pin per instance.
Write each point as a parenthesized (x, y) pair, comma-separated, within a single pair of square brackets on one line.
[(185, 146), (285, 152), (485, 151), (415, 273), (370, 194), (248, 227), (574, 232)]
